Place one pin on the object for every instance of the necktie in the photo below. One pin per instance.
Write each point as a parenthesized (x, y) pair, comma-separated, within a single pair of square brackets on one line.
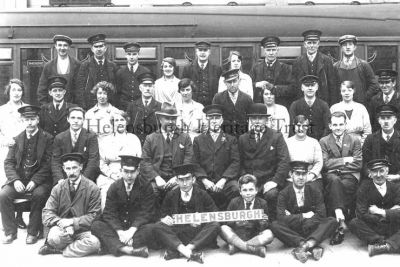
[(248, 204), (168, 138), (128, 189), (72, 190), (214, 136), (387, 138), (258, 137), (100, 63), (57, 107), (29, 136), (301, 200), (386, 99), (132, 69), (74, 139), (146, 103), (202, 66), (338, 141), (186, 195)]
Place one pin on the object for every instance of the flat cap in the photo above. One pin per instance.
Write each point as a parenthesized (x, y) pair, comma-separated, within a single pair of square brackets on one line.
[(230, 75), (56, 82), (213, 109), (270, 41), (97, 38), (62, 38), (347, 38), (29, 110), (184, 169), (146, 77), (377, 163), (309, 79), (312, 35), (72, 156), (300, 166), (386, 75), (130, 161)]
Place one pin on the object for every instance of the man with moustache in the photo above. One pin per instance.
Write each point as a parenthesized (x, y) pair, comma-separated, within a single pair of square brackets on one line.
[(388, 95), (142, 112), (129, 207), (264, 154), (96, 69), (204, 74), (342, 165), (62, 65), (27, 168), (352, 68), (312, 107), (165, 149), (79, 140), (217, 160), (378, 211), (236, 104), (272, 74), (53, 115), (302, 221), (127, 77), (69, 212), (384, 143), (317, 64)]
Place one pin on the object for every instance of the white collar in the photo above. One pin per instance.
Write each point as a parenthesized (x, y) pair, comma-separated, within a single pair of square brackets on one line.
[(384, 135), (77, 181), (32, 134), (61, 104), (184, 198), (298, 191), (251, 205), (103, 60), (73, 132), (270, 63), (134, 67), (205, 64), (312, 57), (149, 99), (389, 95)]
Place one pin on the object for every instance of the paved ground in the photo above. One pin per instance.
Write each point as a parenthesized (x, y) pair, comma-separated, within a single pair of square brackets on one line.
[(351, 252)]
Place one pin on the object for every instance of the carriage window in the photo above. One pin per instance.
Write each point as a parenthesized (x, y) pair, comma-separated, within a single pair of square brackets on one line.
[(247, 54), (32, 62), (6, 74), (286, 54), (382, 57), (182, 55)]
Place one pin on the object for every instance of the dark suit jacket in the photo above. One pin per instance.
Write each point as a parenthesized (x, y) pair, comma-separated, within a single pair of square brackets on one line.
[(13, 162), (368, 195), (333, 157), (143, 120), (238, 204), (87, 144), (375, 102), (268, 159), (216, 160), (192, 72), (54, 122), (50, 69), (153, 153), (202, 201), (313, 201), (373, 148), (87, 80), (284, 86), (328, 90), (235, 116), (122, 211), (128, 86)]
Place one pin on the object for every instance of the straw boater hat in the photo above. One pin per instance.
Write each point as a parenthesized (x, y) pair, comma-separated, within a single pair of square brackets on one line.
[(167, 109)]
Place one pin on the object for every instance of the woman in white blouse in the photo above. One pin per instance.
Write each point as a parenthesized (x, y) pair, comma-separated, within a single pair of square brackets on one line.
[(111, 147), (98, 118), (166, 88), (190, 113), (245, 82), (357, 117), (11, 123), (279, 119)]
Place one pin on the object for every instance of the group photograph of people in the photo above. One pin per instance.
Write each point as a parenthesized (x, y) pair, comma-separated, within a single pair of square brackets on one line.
[(103, 165)]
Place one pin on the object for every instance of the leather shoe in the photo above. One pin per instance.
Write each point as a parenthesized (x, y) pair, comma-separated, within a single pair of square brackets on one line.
[(171, 254), (47, 249), (8, 239), (257, 250), (31, 239), (197, 257), (140, 252), (317, 253), (20, 221), (232, 249), (337, 237), (300, 254), (379, 248)]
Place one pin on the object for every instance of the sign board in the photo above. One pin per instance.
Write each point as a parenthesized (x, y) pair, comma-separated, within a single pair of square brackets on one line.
[(218, 216)]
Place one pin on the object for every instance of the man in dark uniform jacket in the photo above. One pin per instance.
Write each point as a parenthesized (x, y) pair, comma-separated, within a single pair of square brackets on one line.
[(302, 221), (264, 153), (130, 205), (53, 115), (388, 95), (96, 69), (384, 143), (273, 75), (127, 77), (317, 64), (76, 139), (315, 109), (236, 104), (217, 160), (185, 239), (165, 149), (352, 68), (204, 74), (378, 211), (27, 169), (63, 65), (142, 112)]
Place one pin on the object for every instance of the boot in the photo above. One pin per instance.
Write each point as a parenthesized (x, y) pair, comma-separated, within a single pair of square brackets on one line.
[(20, 221), (300, 254), (379, 248), (256, 250)]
